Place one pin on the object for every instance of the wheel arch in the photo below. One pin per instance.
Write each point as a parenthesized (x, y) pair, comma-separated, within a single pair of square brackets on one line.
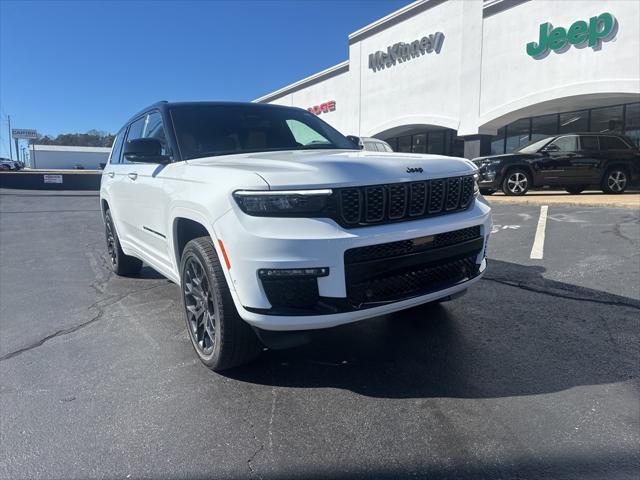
[(187, 224), (518, 166)]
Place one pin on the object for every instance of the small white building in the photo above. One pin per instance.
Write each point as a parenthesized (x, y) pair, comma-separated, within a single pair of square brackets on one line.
[(49, 157)]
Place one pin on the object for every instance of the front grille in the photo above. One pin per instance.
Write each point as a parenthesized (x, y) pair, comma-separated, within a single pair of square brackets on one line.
[(414, 245), (378, 204), (412, 282), (394, 271)]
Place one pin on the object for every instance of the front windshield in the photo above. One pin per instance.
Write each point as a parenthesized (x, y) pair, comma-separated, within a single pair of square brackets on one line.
[(534, 146), (204, 130)]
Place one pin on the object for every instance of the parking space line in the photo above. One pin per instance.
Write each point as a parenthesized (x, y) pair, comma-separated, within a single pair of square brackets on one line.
[(538, 243)]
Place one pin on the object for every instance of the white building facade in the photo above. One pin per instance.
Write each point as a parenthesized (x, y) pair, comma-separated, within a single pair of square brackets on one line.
[(470, 78)]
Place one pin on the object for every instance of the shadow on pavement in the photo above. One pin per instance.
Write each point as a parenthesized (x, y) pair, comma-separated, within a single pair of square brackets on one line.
[(514, 333)]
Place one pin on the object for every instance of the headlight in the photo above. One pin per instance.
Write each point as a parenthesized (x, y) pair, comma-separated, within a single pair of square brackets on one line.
[(273, 203), (476, 188)]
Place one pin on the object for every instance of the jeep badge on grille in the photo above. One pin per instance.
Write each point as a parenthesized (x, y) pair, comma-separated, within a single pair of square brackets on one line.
[(414, 170)]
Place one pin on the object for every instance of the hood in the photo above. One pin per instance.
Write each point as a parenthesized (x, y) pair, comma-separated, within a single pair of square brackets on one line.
[(340, 168)]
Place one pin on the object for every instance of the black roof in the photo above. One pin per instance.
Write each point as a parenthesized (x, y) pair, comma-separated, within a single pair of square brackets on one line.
[(164, 105)]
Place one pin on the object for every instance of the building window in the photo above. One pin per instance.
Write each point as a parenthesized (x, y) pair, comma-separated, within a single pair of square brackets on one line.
[(517, 134), (607, 119), (419, 144), (632, 122), (436, 143), (543, 126), (497, 142), (574, 122), (404, 144)]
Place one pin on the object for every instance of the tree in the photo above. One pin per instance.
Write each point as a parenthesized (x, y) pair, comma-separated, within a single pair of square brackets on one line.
[(93, 138)]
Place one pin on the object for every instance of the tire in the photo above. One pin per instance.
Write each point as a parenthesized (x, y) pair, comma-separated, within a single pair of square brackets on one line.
[(516, 182), (615, 180), (121, 264), (485, 192), (575, 190), (221, 339)]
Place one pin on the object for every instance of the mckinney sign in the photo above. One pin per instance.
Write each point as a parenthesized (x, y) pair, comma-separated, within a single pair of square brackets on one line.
[(401, 52)]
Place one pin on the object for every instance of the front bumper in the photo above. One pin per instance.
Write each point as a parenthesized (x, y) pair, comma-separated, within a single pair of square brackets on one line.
[(255, 243)]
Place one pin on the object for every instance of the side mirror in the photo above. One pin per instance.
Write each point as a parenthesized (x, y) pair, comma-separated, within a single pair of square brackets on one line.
[(356, 141), (145, 150), (550, 148)]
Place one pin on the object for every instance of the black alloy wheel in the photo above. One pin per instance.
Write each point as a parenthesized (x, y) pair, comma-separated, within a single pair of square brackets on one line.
[(121, 263), (220, 337), (200, 306)]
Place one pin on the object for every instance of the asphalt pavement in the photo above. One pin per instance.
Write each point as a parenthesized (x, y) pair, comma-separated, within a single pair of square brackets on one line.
[(533, 374)]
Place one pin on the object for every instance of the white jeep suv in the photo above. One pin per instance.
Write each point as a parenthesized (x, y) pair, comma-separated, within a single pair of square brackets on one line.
[(273, 223)]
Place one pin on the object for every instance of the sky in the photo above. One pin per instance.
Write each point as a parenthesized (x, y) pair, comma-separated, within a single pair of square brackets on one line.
[(72, 66)]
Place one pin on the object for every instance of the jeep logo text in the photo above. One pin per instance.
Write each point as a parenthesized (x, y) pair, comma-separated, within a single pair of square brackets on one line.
[(599, 29)]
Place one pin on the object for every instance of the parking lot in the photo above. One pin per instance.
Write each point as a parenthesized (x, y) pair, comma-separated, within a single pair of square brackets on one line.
[(534, 373)]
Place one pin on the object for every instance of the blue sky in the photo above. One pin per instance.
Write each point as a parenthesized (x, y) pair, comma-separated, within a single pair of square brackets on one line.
[(73, 66)]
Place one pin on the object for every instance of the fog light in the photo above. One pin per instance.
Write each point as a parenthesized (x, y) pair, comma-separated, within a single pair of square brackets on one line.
[(293, 272), (483, 265)]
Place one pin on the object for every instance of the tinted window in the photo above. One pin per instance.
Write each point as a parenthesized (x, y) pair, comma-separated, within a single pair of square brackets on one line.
[(566, 144), (117, 148), (612, 143), (154, 128), (544, 126), (135, 131), (221, 129), (606, 119), (136, 128), (517, 134), (404, 144), (436, 143), (632, 122), (589, 142), (419, 143), (574, 122), (497, 142)]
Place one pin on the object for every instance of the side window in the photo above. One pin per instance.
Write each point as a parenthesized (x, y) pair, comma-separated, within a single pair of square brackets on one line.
[(612, 143), (135, 131), (114, 158), (154, 128), (566, 144), (589, 143), (305, 135)]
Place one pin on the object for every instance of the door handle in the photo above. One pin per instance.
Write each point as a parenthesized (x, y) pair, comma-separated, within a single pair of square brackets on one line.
[(111, 174), (133, 175)]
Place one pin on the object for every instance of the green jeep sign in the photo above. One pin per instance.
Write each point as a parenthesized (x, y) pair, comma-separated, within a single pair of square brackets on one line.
[(599, 29)]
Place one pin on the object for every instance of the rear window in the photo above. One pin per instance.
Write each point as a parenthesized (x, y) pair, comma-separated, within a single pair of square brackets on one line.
[(117, 148), (589, 143), (612, 143)]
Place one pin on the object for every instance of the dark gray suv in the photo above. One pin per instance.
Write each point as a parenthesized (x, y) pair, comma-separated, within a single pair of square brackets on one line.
[(573, 161)]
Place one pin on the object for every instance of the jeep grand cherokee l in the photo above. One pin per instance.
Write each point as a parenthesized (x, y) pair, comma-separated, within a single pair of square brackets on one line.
[(272, 221), (572, 161)]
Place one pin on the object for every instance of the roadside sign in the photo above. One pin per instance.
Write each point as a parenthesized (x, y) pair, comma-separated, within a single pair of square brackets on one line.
[(52, 178), (26, 133)]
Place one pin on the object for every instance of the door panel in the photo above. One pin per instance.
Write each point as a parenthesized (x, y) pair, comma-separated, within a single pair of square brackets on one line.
[(144, 189), (556, 166), (586, 165)]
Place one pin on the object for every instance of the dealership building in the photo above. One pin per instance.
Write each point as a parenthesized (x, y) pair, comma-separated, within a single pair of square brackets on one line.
[(471, 78)]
